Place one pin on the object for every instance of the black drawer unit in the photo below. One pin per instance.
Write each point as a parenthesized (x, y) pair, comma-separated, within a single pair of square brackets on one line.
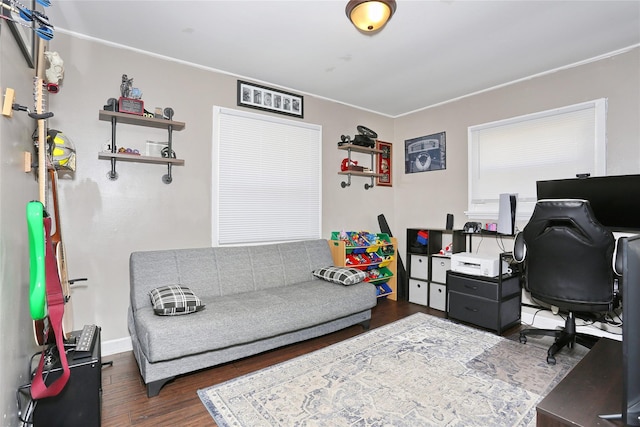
[(489, 302)]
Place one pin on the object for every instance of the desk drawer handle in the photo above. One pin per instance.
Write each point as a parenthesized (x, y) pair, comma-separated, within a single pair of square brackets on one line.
[(474, 310), (472, 287)]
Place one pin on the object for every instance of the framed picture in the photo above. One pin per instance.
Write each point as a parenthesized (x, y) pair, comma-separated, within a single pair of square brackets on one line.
[(264, 98), (154, 149), (426, 153), (23, 35), (384, 164)]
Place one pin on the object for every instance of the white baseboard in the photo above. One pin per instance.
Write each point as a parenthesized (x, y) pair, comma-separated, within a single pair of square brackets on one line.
[(547, 320), (119, 345)]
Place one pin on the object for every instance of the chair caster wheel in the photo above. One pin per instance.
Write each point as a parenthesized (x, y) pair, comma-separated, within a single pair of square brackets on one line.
[(523, 339), (551, 360)]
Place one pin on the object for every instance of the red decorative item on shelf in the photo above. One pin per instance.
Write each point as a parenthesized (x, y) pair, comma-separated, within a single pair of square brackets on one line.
[(350, 165)]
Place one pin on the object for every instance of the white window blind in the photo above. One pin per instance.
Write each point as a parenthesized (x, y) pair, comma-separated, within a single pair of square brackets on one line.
[(267, 175), (509, 156)]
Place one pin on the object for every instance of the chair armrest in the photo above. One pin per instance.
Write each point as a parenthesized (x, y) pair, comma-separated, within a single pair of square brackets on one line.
[(616, 261), (519, 248)]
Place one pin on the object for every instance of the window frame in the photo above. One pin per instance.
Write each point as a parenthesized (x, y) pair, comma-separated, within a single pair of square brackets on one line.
[(263, 150), (487, 209)]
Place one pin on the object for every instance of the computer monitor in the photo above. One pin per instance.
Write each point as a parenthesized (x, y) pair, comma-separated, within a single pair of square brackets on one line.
[(630, 248), (615, 200), (629, 255)]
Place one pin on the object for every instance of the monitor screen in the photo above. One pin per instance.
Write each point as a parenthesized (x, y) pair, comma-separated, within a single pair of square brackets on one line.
[(615, 200), (631, 331)]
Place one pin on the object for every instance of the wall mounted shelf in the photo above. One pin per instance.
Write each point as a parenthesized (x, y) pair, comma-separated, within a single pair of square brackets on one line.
[(131, 119), (351, 148), (139, 159)]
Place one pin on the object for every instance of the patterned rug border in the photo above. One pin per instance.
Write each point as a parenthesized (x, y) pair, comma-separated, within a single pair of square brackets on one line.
[(475, 341)]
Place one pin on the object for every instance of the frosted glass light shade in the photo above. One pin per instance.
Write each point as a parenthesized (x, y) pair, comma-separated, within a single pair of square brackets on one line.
[(370, 16)]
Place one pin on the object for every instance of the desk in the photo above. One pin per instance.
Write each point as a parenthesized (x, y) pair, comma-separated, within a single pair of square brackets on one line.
[(593, 387)]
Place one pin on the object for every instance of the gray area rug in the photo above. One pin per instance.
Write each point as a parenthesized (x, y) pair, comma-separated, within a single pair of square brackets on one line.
[(418, 371)]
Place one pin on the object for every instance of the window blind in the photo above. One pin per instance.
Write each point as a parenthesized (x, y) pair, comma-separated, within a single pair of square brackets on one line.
[(509, 156), (267, 178)]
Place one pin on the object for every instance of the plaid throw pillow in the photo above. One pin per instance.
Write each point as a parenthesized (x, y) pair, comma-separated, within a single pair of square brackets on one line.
[(173, 300), (341, 275)]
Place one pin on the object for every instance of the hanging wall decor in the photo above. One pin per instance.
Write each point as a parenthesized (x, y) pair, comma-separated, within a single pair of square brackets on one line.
[(22, 30), (426, 153), (268, 99), (384, 164)]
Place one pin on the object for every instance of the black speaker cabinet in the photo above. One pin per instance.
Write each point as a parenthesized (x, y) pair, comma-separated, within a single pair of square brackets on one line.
[(449, 221), (79, 403)]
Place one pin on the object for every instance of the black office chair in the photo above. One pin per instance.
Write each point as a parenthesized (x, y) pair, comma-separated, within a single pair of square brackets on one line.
[(567, 258)]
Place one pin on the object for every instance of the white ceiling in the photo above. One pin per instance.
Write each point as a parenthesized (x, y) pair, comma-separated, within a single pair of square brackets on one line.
[(429, 52)]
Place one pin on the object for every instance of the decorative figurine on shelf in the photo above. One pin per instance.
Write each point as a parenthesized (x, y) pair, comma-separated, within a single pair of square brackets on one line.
[(365, 138), (55, 73), (166, 153), (130, 101), (448, 250), (347, 164), (125, 86), (131, 151)]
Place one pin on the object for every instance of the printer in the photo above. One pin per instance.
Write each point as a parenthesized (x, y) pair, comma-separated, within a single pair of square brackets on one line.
[(478, 265)]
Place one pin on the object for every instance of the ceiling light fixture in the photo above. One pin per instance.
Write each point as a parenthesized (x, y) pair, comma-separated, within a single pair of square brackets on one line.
[(370, 15)]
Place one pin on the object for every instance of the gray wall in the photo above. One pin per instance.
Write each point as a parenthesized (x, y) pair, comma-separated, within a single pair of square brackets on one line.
[(424, 199), (16, 189), (104, 221)]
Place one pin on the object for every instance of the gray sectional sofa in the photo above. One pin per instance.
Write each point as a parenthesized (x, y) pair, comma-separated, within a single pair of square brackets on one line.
[(256, 298)]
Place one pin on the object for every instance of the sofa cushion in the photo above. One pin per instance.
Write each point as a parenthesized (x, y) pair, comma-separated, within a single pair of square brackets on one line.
[(173, 300), (251, 316), (220, 271), (340, 275)]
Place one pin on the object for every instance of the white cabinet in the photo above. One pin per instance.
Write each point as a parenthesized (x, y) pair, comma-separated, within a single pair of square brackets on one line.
[(418, 292), (438, 283), (439, 267), (438, 296), (428, 266), (419, 267)]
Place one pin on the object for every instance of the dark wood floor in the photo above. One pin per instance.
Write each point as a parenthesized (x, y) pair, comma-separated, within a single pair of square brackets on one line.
[(124, 399)]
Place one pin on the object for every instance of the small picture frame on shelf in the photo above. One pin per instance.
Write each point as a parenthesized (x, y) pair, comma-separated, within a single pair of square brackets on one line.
[(154, 149)]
